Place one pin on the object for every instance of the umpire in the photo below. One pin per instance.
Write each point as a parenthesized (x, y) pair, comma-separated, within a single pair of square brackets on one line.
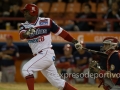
[(9, 53)]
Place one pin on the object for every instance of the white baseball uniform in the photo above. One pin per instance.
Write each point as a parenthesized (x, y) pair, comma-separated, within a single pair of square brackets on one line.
[(40, 44)]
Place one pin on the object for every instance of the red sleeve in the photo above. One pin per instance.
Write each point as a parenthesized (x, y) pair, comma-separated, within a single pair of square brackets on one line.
[(66, 36), (21, 34)]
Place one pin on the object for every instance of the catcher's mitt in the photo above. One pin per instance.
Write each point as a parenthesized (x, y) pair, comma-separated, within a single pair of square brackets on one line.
[(93, 64)]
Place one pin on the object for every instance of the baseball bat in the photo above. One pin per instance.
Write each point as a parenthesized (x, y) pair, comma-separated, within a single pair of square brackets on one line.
[(96, 52)]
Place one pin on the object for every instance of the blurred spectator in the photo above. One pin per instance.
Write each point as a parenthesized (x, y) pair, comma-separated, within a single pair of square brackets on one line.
[(66, 62), (82, 25), (86, 14), (70, 26), (15, 12), (82, 59), (9, 53), (113, 13), (6, 5)]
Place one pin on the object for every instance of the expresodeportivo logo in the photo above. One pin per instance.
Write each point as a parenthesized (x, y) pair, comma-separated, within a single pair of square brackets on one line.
[(82, 75)]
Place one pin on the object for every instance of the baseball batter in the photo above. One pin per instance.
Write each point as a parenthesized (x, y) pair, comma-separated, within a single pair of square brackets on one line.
[(37, 31)]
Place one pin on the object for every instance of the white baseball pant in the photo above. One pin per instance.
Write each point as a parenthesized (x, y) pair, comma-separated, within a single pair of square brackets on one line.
[(44, 62)]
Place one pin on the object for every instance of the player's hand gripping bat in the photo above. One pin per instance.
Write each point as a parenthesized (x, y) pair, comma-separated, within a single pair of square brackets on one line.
[(30, 31)]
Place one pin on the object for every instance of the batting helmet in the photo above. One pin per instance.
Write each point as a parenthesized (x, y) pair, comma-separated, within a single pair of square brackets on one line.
[(32, 8)]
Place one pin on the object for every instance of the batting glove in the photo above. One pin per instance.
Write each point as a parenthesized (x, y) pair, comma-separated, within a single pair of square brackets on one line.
[(30, 31), (78, 45)]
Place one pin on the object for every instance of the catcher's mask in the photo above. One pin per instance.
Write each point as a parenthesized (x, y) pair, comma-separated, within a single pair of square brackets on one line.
[(109, 43)]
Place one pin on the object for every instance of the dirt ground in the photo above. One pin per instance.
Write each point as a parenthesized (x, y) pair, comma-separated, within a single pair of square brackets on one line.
[(45, 86)]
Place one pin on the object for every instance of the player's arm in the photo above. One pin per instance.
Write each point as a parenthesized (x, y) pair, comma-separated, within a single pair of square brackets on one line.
[(23, 35), (5, 53), (22, 32), (5, 56), (64, 34)]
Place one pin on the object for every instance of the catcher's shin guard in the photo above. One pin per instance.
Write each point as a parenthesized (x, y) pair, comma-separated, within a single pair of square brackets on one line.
[(68, 87)]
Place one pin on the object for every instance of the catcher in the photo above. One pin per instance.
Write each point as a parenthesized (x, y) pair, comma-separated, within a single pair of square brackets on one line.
[(111, 73)]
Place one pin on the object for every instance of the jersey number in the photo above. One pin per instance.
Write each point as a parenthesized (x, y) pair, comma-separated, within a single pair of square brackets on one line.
[(41, 39)]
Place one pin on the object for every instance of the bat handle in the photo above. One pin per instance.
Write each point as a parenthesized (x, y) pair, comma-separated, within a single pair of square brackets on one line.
[(89, 50)]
